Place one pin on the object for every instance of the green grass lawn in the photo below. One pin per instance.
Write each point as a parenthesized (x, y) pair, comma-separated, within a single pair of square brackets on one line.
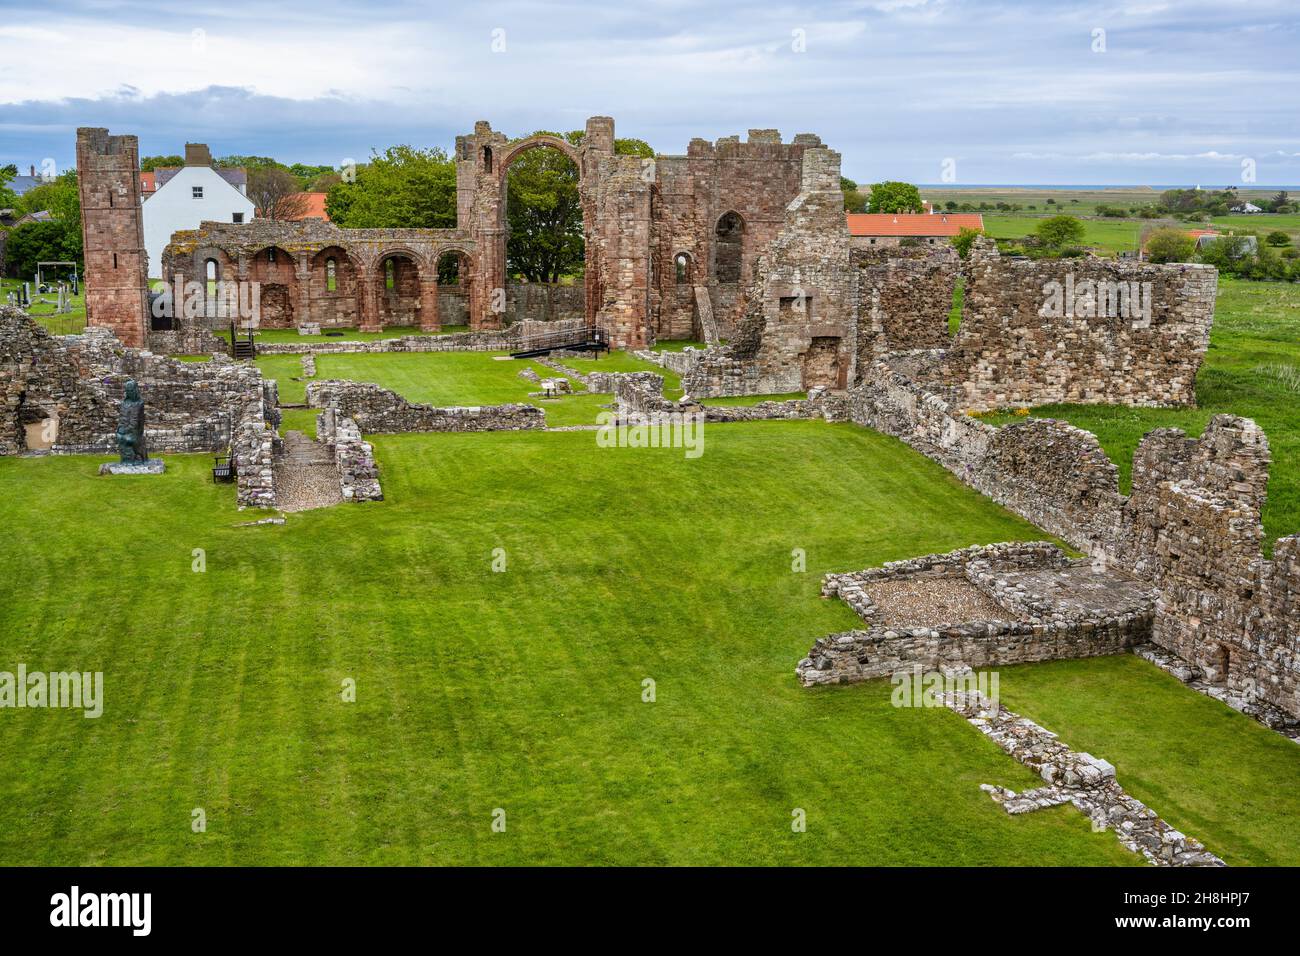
[(1252, 369), (460, 378), (46, 313), (522, 690), (1107, 235)]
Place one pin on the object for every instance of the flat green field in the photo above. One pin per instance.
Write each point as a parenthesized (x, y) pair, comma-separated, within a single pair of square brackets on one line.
[(521, 692), (1252, 369)]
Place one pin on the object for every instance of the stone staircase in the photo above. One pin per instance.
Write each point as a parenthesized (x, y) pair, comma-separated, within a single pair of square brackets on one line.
[(306, 475)]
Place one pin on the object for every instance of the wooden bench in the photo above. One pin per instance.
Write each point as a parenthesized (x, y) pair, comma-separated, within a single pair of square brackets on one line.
[(223, 469)]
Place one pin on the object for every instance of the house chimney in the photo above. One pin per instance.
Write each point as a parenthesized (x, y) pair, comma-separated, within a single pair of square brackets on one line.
[(33, 170), (197, 154)]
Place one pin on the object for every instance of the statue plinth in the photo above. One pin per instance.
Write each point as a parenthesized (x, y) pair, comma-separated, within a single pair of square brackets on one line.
[(150, 466)]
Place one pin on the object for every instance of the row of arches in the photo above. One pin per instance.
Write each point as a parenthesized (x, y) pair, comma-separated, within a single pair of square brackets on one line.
[(334, 287)]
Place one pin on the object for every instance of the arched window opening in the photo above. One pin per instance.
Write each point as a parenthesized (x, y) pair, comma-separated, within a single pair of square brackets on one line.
[(390, 274), (487, 158), (331, 281), (270, 255), (682, 263), (729, 243)]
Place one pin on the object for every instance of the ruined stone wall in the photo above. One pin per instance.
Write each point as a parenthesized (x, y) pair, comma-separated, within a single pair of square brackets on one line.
[(353, 455), (1023, 626), (756, 180), (112, 230), (47, 392), (378, 410), (1068, 330), (1191, 523), (799, 328), (544, 302), (76, 383), (905, 296)]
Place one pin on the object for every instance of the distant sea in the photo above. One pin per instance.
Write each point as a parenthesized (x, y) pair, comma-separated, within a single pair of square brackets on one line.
[(1094, 187)]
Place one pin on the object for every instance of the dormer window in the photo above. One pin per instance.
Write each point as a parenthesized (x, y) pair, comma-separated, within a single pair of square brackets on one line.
[(196, 192)]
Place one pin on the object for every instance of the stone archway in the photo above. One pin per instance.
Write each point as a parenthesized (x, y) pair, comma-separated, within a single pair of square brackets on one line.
[(276, 272), (454, 270)]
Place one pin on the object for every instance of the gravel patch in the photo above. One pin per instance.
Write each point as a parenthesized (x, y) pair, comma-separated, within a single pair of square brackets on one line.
[(930, 602)]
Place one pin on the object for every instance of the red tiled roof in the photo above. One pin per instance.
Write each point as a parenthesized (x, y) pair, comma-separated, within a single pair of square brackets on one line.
[(912, 223), (313, 208), (147, 183)]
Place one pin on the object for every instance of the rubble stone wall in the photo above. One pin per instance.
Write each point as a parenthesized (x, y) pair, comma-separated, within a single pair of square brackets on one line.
[(1191, 523), (1086, 330), (354, 456), (378, 410), (905, 296)]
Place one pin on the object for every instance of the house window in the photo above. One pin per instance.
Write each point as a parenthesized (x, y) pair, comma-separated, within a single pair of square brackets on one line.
[(331, 283), (238, 217), (196, 192)]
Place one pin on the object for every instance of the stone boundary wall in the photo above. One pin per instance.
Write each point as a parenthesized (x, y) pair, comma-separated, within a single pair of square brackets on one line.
[(1191, 523), (379, 410), (511, 339), (905, 297), (355, 458), (1030, 630), (1017, 345)]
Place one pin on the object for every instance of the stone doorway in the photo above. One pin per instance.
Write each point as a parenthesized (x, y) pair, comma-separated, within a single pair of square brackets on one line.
[(821, 363)]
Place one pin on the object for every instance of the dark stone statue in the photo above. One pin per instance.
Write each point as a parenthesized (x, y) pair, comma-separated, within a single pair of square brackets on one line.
[(130, 426)]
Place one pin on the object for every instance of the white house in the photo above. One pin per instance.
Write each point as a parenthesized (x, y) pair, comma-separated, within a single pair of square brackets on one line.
[(188, 196), (1247, 207)]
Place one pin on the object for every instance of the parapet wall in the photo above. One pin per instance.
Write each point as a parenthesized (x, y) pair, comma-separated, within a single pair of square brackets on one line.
[(1086, 330)]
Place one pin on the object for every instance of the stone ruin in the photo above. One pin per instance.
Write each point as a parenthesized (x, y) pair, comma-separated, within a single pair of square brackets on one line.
[(669, 244)]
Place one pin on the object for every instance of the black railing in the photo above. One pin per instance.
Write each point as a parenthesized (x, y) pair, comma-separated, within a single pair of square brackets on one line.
[(591, 338)]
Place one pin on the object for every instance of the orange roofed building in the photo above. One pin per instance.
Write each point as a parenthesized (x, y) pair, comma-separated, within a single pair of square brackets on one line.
[(889, 228)]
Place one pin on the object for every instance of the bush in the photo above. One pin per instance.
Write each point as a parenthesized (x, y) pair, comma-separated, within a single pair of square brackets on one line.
[(1060, 231), (1170, 245), (964, 239)]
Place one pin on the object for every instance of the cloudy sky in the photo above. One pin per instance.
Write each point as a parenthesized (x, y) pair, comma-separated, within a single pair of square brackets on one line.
[(990, 91)]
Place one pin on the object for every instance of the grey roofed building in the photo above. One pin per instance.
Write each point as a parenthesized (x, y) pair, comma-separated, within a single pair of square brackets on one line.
[(236, 177)]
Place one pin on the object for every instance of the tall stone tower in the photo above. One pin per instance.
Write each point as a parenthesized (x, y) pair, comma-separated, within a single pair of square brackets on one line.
[(112, 232)]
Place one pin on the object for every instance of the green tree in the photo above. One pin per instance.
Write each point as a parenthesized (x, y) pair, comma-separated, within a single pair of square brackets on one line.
[(893, 196), (36, 242), (1060, 231), (60, 196), (633, 147), (8, 198), (404, 187), (1278, 238), (544, 213), (964, 239), (854, 200), (150, 163), (1169, 245)]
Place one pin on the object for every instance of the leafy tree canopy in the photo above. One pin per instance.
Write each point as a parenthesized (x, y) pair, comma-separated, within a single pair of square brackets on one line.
[(36, 242), (150, 163), (894, 196), (1060, 231), (1169, 245)]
